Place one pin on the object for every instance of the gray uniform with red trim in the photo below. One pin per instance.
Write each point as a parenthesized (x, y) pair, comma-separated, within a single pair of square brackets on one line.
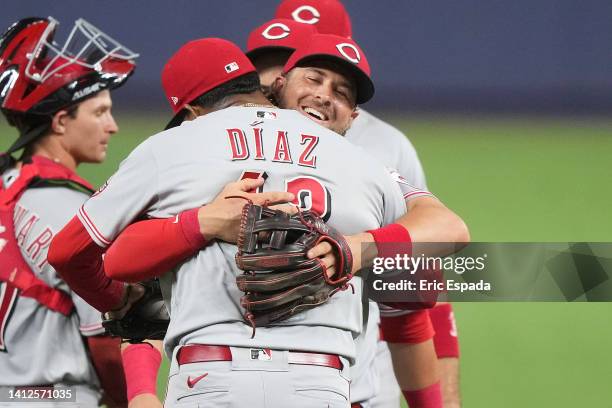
[(37, 345), (374, 383), (187, 166)]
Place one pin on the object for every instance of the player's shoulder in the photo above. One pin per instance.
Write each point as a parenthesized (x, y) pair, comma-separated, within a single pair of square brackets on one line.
[(367, 123)]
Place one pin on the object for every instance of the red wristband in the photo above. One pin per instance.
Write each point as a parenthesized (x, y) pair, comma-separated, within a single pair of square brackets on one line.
[(446, 341), (191, 228), (141, 363), (391, 240), (428, 397)]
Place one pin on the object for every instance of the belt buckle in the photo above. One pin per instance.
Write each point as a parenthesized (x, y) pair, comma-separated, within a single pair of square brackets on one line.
[(261, 354)]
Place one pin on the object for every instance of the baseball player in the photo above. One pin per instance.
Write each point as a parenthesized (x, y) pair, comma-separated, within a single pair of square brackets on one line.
[(390, 146), (58, 99), (234, 129), (133, 239), (269, 46)]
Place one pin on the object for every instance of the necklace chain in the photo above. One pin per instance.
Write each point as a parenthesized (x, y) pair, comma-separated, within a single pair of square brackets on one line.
[(257, 105)]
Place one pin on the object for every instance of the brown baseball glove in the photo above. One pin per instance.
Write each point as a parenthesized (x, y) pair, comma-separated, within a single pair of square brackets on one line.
[(279, 280)]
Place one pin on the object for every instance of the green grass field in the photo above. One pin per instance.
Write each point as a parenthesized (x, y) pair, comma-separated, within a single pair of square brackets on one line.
[(521, 180)]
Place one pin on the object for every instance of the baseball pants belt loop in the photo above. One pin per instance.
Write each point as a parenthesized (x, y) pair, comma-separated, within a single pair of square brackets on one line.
[(202, 353)]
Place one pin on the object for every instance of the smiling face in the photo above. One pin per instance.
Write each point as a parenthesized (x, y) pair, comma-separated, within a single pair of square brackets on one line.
[(324, 92), (87, 134)]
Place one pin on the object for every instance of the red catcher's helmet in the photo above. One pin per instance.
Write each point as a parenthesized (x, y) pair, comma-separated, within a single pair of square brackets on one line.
[(40, 77)]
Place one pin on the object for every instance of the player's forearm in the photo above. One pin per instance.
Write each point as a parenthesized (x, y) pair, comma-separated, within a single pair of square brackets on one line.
[(449, 380), (147, 249), (415, 364), (409, 337), (78, 260), (428, 220)]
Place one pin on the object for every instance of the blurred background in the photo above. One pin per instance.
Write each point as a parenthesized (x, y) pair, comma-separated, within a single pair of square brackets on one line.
[(509, 105)]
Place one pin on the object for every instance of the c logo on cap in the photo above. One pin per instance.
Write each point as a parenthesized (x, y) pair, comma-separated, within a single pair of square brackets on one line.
[(285, 31), (341, 48), (313, 20)]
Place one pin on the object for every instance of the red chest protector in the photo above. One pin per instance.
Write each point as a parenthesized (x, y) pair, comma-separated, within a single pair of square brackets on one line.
[(14, 270)]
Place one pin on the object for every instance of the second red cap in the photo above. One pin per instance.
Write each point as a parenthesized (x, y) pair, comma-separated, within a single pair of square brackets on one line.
[(329, 16), (280, 33)]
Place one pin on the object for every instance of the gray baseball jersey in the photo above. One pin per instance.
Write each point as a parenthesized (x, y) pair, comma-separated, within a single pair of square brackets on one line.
[(43, 346), (186, 167), (388, 145)]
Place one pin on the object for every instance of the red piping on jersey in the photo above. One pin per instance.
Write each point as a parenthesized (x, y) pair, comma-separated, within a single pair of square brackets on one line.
[(103, 241), (417, 192)]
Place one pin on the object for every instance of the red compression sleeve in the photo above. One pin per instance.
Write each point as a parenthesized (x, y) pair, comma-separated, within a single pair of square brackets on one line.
[(141, 363), (428, 397), (147, 249), (78, 260), (411, 328), (391, 240), (446, 341)]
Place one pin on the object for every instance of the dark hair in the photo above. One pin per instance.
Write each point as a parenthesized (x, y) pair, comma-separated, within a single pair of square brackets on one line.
[(245, 84)]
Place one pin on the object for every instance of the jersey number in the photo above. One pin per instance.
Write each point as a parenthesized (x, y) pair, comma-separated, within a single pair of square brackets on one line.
[(8, 299), (309, 192)]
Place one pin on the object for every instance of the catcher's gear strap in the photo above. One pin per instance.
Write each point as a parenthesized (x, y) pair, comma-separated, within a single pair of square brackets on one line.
[(428, 397), (14, 270), (391, 240), (411, 328), (175, 242), (141, 363), (446, 340)]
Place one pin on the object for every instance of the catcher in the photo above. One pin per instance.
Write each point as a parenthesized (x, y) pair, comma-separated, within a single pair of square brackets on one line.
[(61, 107)]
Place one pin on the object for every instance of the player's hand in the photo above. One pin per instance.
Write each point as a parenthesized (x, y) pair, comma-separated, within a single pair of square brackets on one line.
[(145, 401), (326, 255), (361, 246), (133, 292), (220, 219)]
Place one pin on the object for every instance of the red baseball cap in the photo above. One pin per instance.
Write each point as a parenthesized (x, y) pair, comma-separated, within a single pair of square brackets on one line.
[(280, 33), (329, 16), (198, 67), (323, 47)]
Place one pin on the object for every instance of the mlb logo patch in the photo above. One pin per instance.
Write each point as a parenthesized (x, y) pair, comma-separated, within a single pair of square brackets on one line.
[(261, 354), (231, 67), (266, 115)]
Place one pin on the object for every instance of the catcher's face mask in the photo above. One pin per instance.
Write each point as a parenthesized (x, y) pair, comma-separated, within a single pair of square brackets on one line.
[(41, 75)]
